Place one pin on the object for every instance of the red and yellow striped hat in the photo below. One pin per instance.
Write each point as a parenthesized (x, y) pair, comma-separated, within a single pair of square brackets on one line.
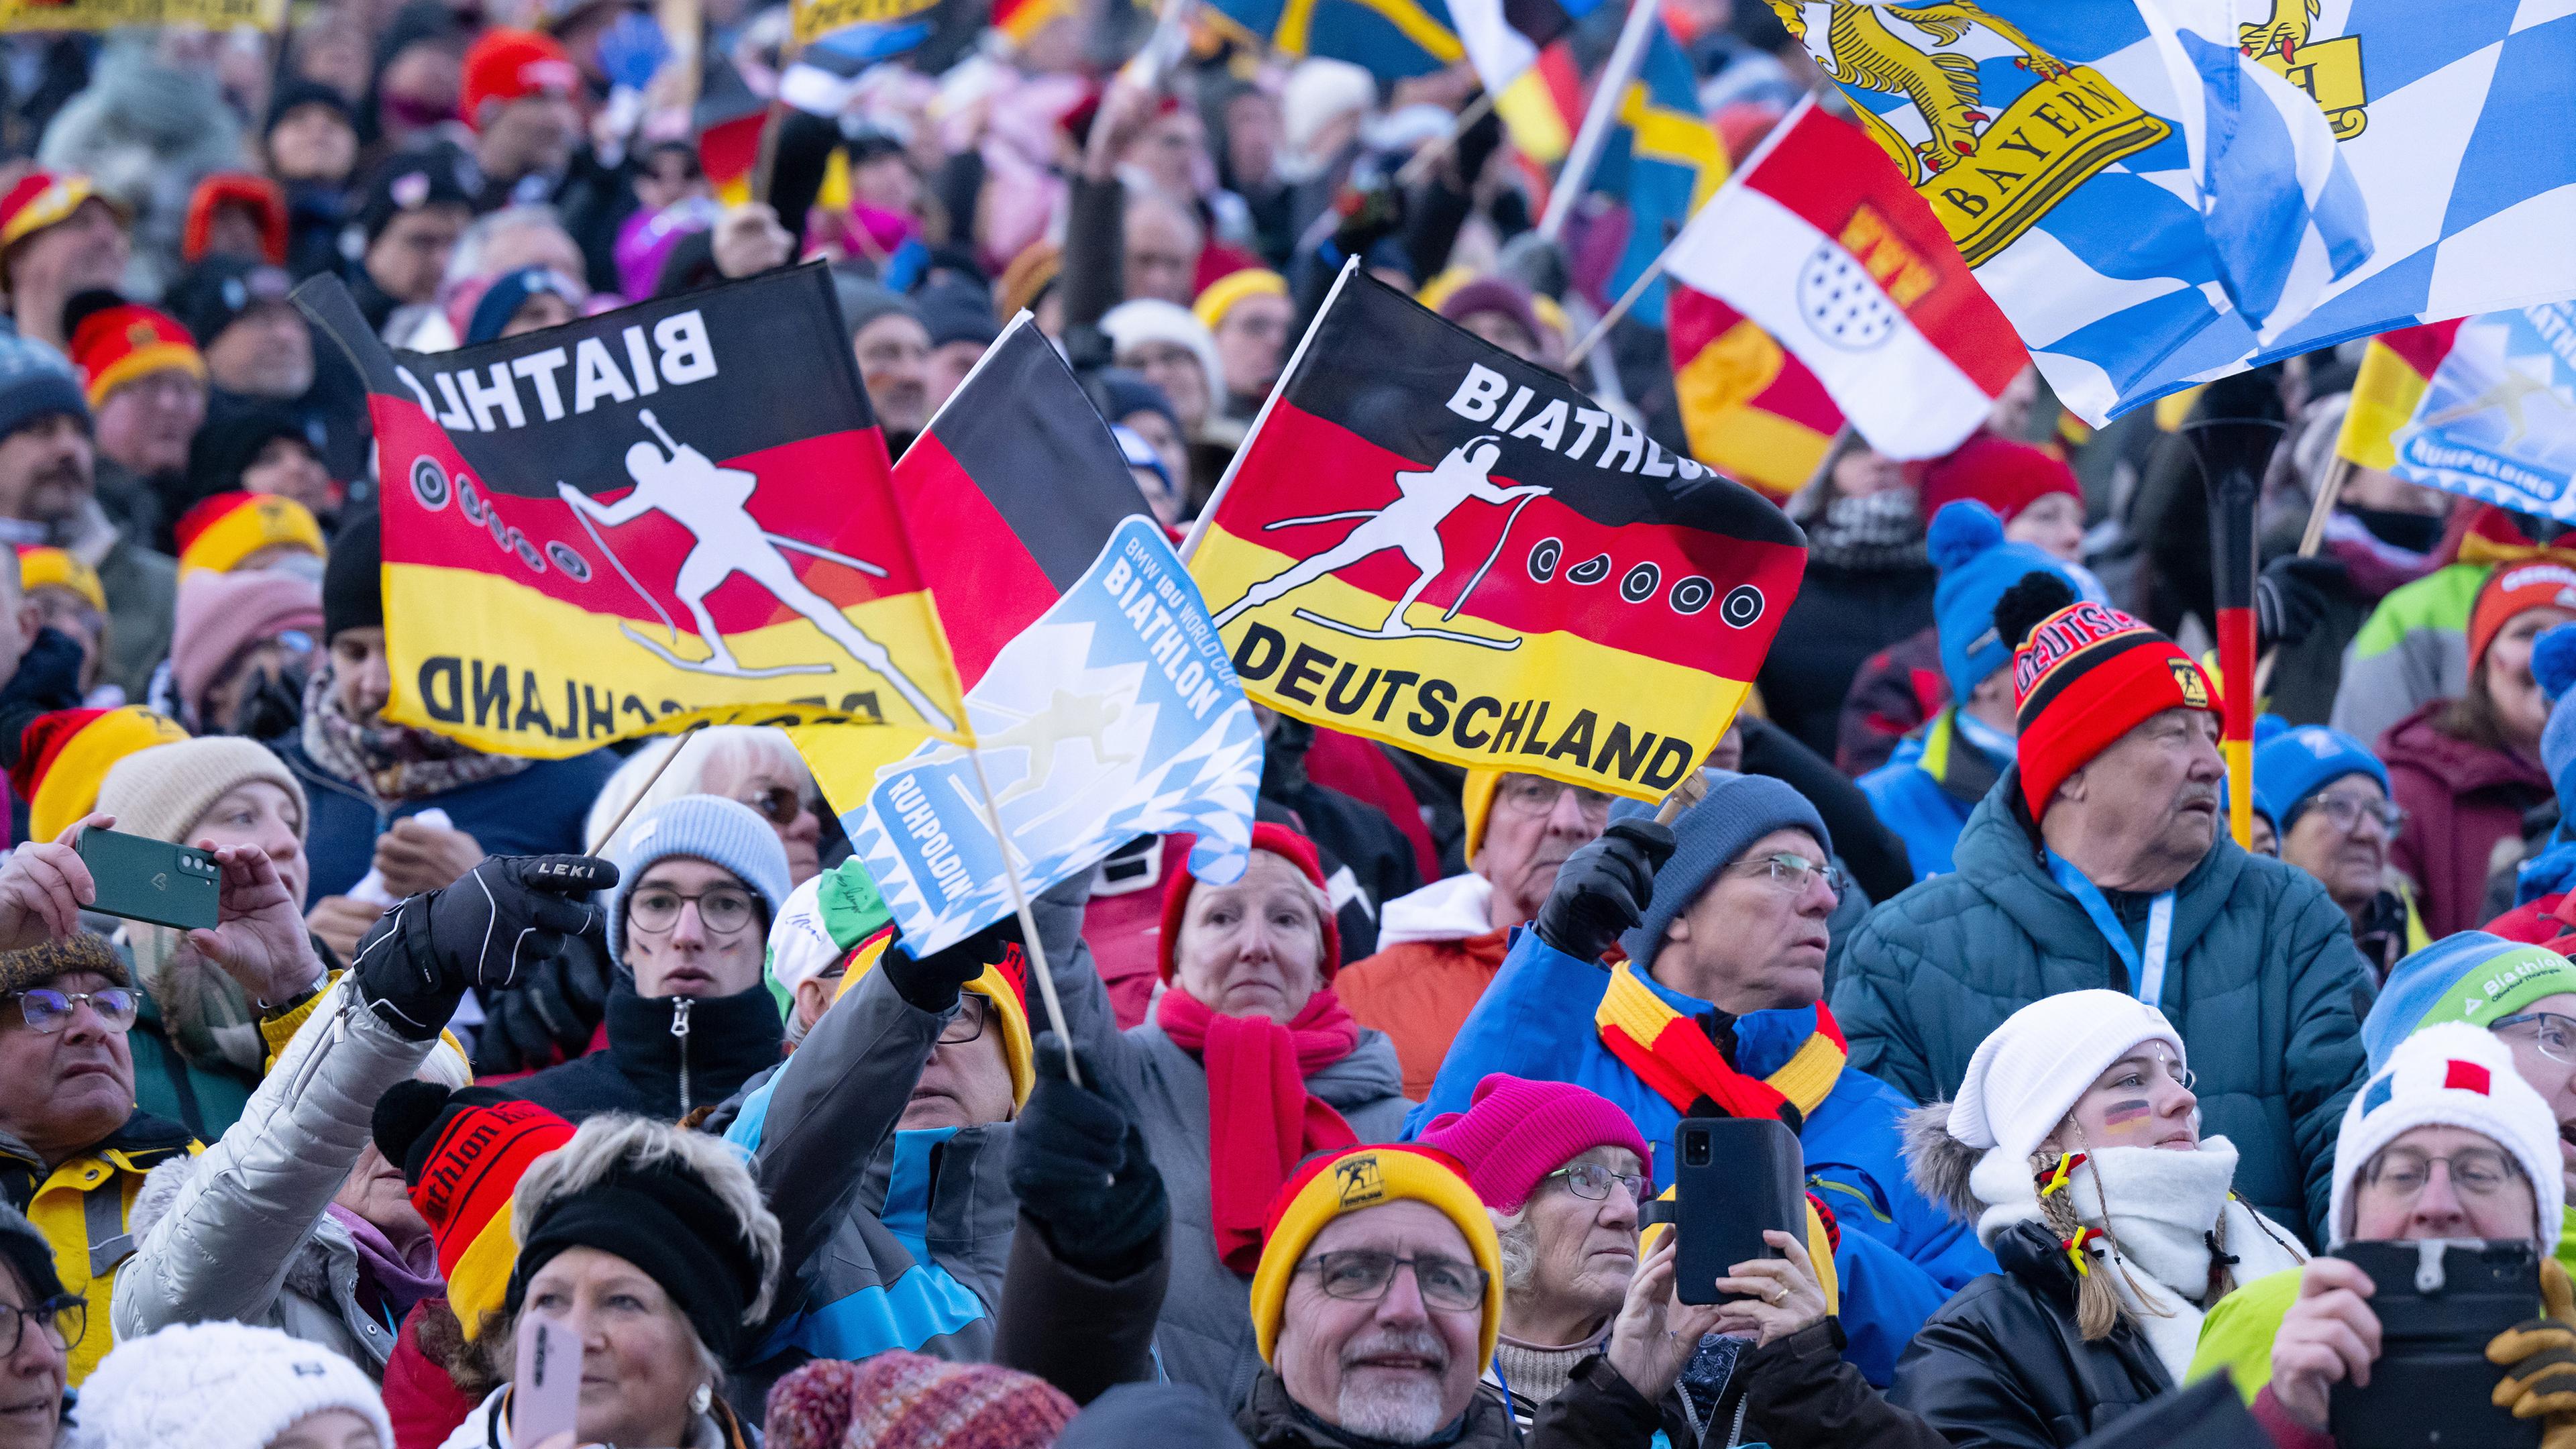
[(1330, 1184), (225, 528), (41, 566), (42, 199), (461, 1166), (64, 754), (115, 345)]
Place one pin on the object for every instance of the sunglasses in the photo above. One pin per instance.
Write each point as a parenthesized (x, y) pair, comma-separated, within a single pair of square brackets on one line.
[(777, 804)]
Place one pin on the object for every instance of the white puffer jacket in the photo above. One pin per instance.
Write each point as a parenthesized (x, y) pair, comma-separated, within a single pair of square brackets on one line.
[(239, 1232)]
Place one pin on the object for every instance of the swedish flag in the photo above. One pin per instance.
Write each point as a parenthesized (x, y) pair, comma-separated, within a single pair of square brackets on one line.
[(1663, 160), (1394, 39)]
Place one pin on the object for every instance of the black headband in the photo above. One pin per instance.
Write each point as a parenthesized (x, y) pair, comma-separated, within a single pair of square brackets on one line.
[(672, 1228)]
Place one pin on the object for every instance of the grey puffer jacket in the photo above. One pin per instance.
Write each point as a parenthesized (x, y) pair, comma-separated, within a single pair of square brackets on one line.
[(1205, 1336), (239, 1232), (2264, 984)]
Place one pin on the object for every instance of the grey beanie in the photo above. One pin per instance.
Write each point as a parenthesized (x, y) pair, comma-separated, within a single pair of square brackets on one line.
[(1737, 811), (863, 302), (36, 382), (711, 828)]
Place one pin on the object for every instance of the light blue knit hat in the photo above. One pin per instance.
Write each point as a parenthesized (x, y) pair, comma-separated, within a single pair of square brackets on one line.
[(1737, 811), (711, 828)]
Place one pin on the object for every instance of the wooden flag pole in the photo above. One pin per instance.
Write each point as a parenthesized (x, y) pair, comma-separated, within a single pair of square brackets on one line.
[(1441, 145), (650, 781), (1618, 309), (1597, 120)]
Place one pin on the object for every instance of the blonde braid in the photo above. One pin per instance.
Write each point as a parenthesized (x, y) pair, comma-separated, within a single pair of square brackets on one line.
[(2097, 1303)]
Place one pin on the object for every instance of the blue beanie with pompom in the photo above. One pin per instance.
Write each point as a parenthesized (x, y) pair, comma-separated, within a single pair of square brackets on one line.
[(1966, 541)]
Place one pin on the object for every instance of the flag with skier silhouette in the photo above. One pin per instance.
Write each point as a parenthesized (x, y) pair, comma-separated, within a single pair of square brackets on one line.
[(1430, 542), (675, 513)]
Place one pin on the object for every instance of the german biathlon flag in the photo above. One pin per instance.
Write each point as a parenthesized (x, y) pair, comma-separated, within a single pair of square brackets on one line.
[(2395, 370), (1429, 542), (674, 513)]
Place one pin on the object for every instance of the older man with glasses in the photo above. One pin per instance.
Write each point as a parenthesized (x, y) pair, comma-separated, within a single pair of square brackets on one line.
[(1439, 947), (73, 1146), (1719, 1011), (689, 1019)]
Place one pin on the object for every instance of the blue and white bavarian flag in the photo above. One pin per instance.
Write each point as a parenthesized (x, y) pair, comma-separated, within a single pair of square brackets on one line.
[(2458, 121), (1116, 714), (2138, 196), (2498, 418)]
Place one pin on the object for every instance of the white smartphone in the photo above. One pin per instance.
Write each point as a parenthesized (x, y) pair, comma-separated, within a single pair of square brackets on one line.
[(545, 1397)]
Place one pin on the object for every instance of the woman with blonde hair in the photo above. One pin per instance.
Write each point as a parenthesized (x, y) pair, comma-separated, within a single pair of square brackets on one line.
[(752, 765), (2074, 1147)]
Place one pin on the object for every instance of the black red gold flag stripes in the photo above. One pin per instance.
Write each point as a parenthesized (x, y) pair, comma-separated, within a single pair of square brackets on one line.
[(1432, 543)]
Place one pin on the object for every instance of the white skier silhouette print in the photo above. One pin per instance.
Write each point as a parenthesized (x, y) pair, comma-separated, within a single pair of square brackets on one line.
[(1409, 523), (711, 503)]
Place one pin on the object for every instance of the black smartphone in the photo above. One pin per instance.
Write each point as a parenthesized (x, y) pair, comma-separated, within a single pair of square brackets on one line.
[(1733, 1178), (2438, 1304), (143, 879)]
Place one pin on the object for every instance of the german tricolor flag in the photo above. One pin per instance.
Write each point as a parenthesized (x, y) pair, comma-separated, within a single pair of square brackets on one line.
[(1009, 496), (674, 513), (1752, 410), (1427, 541), (2394, 372)]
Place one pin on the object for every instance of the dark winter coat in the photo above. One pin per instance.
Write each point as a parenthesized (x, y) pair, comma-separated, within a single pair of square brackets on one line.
[(2004, 1366), (1272, 1420), (2461, 800), (666, 1055), (1799, 1392), (1896, 691), (1840, 617), (1082, 1333), (2265, 986), (535, 811)]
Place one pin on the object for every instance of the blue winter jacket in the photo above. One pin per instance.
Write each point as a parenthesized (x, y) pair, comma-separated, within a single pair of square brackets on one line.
[(1901, 1257), (1926, 790), (535, 811)]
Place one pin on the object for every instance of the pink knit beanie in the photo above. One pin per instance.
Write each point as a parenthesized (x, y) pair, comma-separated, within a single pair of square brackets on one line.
[(220, 615), (1516, 1131), (902, 1400)]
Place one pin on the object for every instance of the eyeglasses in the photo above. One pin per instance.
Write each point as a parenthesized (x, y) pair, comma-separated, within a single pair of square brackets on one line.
[(1592, 1180), (777, 804), (1792, 872), (63, 1319), (967, 1024), (1362, 1275), (2347, 812), (1531, 796), (47, 1011), (724, 909), (2475, 1171), (2555, 1035)]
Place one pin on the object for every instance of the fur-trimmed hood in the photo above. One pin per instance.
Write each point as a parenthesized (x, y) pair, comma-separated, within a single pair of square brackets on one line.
[(1939, 1163)]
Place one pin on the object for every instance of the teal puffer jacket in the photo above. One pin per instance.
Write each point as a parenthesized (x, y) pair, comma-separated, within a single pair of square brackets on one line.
[(2264, 984)]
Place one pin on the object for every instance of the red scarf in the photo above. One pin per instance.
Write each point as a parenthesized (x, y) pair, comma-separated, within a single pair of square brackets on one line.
[(1261, 1119)]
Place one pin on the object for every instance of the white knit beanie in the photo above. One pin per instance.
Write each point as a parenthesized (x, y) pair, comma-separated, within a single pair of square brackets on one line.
[(2452, 1075), (216, 1386), (161, 792), (2029, 1072)]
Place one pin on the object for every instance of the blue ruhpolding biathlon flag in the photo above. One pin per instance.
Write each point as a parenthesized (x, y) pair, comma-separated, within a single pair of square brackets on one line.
[(1116, 714), (2498, 418)]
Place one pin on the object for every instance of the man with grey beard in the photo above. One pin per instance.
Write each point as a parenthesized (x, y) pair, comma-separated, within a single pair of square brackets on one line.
[(48, 497), (2102, 859), (1376, 1306)]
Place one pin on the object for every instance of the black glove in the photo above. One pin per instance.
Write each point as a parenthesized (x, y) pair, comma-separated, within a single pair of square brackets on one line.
[(1367, 217), (1602, 888), (2290, 598), (496, 923), (932, 983), (1079, 1168)]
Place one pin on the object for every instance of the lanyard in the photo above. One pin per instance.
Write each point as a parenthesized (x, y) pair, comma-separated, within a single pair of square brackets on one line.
[(2147, 977)]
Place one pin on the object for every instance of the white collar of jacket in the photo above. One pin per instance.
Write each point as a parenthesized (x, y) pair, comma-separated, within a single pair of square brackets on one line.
[(489, 1428), (1445, 910), (2163, 1204)]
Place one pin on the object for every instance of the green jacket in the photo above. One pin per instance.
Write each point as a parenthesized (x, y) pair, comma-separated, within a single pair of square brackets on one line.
[(206, 1100), (2412, 650), (2265, 986)]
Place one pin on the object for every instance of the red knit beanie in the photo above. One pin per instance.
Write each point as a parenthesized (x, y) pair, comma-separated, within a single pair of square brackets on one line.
[(1281, 841), (1516, 1131), (2516, 588), (2003, 475), (2084, 676), (904, 1400)]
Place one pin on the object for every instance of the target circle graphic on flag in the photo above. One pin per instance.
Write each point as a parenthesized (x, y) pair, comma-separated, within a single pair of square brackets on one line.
[(574, 566), (1591, 571), (1742, 607), (1638, 584), (1543, 559), (429, 483), (1691, 595), (1842, 302)]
